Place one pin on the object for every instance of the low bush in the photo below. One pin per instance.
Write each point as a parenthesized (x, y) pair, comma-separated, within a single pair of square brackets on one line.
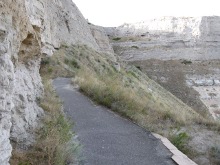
[(75, 64), (45, 61), (180, 141), (116, 39), (136, 47), (186, 62)]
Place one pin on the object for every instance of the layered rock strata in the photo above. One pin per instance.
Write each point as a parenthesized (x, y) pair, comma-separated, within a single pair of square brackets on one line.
[(168, 38)]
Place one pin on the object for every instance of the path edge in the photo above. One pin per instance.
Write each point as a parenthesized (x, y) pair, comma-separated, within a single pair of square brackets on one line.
[(178, 156)]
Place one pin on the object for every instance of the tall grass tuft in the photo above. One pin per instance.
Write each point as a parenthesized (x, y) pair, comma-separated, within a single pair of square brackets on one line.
[(55, 140)]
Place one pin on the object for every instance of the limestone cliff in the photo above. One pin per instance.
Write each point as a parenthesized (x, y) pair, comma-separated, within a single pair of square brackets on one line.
[(30, 29), (168, 38)]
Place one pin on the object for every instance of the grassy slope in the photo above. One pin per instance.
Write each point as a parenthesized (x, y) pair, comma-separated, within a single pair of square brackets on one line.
[(130, 93)]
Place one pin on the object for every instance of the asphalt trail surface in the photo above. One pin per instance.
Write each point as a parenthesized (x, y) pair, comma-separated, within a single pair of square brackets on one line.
[(107, 138)]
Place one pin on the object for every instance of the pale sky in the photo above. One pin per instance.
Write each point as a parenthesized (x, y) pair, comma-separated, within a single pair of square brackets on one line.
[(110, 13)]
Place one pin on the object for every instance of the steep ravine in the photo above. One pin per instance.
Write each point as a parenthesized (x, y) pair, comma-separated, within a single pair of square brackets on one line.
[(30, 30)]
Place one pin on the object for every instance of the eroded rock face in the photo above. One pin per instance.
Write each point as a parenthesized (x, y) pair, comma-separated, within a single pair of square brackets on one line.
[(168, 38), (28, 30), (60, 22), (102, 40), (12, 33)]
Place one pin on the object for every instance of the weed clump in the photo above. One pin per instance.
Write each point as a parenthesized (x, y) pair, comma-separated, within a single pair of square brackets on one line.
[(186, 62), (45, 61), (180, 141), (75, 64), (116, 39), (136, 47)]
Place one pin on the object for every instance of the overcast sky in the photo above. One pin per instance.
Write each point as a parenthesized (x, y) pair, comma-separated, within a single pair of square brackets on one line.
[(116, 12)]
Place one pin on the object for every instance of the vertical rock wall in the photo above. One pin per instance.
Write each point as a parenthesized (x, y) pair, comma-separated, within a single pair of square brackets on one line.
[(28, 30), (101, 38), (13, 31)]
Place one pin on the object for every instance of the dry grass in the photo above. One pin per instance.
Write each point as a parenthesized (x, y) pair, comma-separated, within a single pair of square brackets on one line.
[(129, 98), (130, 92), (112, 93), (55, 139), (55, 144)]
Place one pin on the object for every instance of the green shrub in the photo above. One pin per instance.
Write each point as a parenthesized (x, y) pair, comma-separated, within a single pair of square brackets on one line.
[(136, 47), (45, 61), (50, 70), (116, 39), (24, 163), (138, 67), (186, 62), (180, 141), (66, 61), (75, 64)]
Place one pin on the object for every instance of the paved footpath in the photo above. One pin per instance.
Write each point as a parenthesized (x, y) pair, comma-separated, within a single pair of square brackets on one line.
[(107, 138)]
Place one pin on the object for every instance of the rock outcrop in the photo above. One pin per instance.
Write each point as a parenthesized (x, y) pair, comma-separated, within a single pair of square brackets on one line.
[(30, 29), (168, 38), (102, 40)]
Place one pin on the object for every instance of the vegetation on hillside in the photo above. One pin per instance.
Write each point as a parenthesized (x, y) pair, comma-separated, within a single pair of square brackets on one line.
[(128, 92)]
